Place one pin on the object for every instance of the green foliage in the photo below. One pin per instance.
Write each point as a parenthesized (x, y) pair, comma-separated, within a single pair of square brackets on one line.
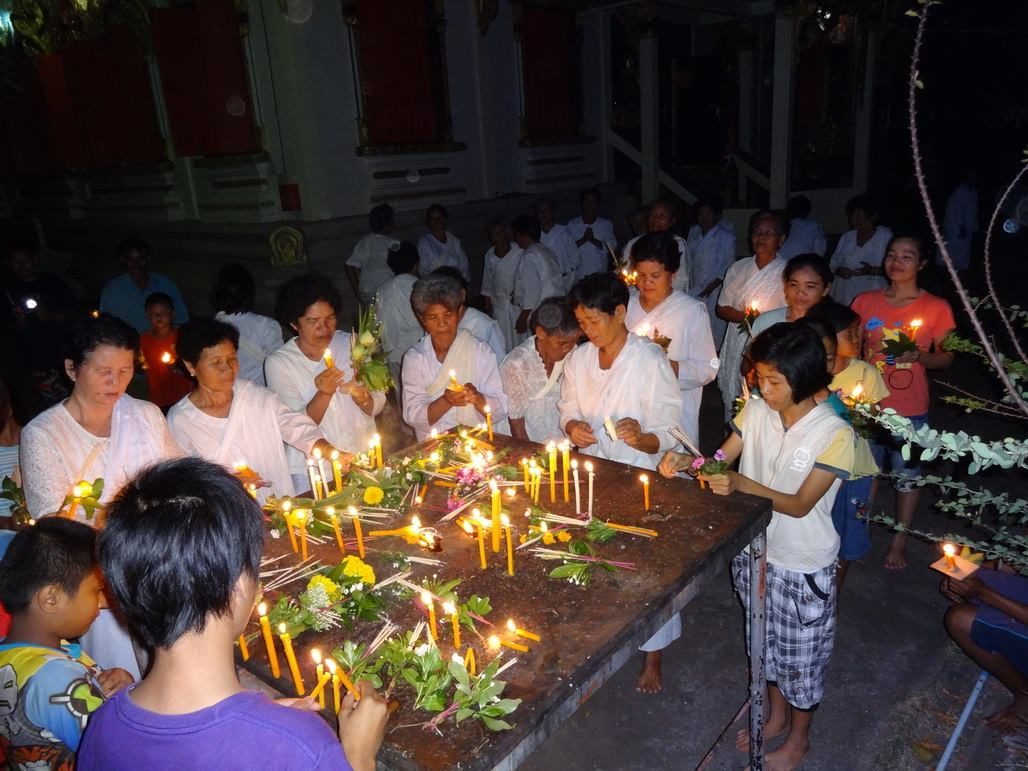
[(479, 697), (427, 674), (367, 354), (599, 532), (475, 606), (9, 491), (351, 657)]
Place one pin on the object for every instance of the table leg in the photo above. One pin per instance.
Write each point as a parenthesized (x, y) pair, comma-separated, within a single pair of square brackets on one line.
[(758, 686)]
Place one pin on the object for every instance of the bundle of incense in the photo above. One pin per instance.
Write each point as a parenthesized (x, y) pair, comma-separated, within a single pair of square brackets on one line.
[(553, 554), (643, 531), (569, 521), (391, 580), (304, 569), (687, 443), (388, 630)]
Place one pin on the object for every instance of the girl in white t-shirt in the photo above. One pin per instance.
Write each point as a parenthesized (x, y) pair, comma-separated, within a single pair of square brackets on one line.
[(795, 453)]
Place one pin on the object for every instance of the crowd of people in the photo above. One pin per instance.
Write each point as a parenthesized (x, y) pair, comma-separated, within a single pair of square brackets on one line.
[(574, 339)]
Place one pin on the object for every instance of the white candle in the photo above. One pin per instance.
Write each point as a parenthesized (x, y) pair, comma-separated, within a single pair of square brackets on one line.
[(589, 470), (578, 496)]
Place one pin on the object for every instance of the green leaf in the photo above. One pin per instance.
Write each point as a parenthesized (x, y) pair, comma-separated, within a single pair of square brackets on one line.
[(564, 571), (464, 713), (459, 673), (496, 725)]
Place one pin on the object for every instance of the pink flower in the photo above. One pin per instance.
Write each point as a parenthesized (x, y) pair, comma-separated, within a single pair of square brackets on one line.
[(719, 455), (698, 462)]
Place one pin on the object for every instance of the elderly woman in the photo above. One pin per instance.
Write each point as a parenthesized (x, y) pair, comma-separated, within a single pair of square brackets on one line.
[(429, 400), (96, 433), (532, 372), (857, 259), (439, 247), (298, 372), (626, 378), (228, 420)]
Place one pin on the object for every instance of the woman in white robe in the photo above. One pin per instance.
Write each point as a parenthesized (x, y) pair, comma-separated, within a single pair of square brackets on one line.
[(593, 236), (439, 247), (532, 372), (558, 239), (625, 378), (712, 245), (498, 274), (538, 275), (662, 217), (98, 432), (400, 327), (857, 259), (233, 297), (659, 310), (298, 372), (231, 421), (428, 403)]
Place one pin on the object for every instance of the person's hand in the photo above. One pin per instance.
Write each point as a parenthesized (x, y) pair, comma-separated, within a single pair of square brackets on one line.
[(722, 484), (328, 381), (673, 462), (304, 703), (114, 680), (866, 269), (844, 272), (581, 433), (909, 357), (345, 458), (456, 398), (475, 397), (629, 431), (359, 392), (362, 726), (962, 590)]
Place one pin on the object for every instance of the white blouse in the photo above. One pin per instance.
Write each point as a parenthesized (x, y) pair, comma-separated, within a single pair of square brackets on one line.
[(530, 394)]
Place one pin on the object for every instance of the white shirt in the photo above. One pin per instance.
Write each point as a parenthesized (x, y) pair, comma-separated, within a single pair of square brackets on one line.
[(291, 375), (258, 337), (848, 253), (484, 329), (681, 280), (538, 277), (560, 242), (531, 394), (590, 258), (639, 384), (369, 257), (961, 217), (782, 459), (400, 327), (805, 237), (498, 277), (257, 425), (713, 253), (435, 254)]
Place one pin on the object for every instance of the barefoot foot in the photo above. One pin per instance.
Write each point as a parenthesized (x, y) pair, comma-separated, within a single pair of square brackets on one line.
[(1008, 720), (650, 677), (896, 559), (775, 726), (787, 757)]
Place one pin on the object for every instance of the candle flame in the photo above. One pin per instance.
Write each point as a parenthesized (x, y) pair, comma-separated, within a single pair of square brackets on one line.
[(644, 330), (433, 434), (300, 515), (282, 628), (493, 487), (949, 549), (335, 455), (916, 323), (316, 655), (494, 642), (511, 492), (644, 479), (488, 409), (753, 305), (167, 358), (505, 520), (327, 356), (426, 599), (330, 664), (330, 510), (262, 609), (858, 389), (287, 505), (589, 466), (467, 527), (317, 453), (449, 608)]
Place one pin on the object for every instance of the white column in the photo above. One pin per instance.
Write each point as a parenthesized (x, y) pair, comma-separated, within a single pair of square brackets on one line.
[(781, 112), (602, 42), (865, 111), (649, 106)]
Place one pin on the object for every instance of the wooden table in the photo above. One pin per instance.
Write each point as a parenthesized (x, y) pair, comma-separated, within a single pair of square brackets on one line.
[(588, 633)]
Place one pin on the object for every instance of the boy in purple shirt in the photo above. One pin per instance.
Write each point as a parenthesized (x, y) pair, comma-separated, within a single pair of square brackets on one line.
[(181, 553)]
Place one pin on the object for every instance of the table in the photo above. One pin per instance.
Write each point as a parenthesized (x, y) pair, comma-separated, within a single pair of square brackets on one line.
[(587, 633)]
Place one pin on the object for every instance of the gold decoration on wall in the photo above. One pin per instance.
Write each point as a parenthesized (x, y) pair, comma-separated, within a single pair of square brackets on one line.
[(43, 26), (286, 247)]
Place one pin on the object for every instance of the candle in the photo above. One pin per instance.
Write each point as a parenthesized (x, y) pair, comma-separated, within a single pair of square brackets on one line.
[(469, 661), (754, 308), (858, 389), (244, 650), (489, 421), (646, 490), (505, 520), (319, 669), (589, 471), (551, 448), (521, 632), (348, 684), (357, 529), (294, 669), (331, 511), (332, 669), (495, 642), (524, 471), (914, 326), (565, 449), (454, 385), (538, 484), (312, 476), (578, 492), (480, 523), (167, 358), (288, 517), (375, 451), (301, 524), (337, 471), (451, 610), (429, 603), (329, 361), (495, 492), (269, 641), (322, 469), (951, 560)]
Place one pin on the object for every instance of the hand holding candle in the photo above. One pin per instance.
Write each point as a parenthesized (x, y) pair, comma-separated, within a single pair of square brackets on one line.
[(329, 361)]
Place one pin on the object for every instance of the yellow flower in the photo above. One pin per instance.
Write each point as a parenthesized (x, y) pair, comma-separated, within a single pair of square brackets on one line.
[(373, 496), (548, 538), (331, 587), (357, 568), (563, 536)]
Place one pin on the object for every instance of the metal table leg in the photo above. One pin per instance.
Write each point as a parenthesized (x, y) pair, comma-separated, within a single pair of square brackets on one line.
[(758, 686)]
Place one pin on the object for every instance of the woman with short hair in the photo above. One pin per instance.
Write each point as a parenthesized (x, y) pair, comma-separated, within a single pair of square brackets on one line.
[(233, 297)]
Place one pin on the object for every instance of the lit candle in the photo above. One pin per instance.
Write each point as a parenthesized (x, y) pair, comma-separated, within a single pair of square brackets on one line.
[(331, 511), (469, 661), (269, 641), (294, 669), (480, 524), (551, 448), (319, 669), (495, 643), (524, 471), (589, 471), (244, 650), (951, 560), (333, 670), (505, 520), (578, 492), (495, 493), (167, 358), (646, 491), (538, 484), (858, 389), (521, 632), (565, 449), (754, 308), (301, 524), (489, 421), (337, 471), (451, 610), (329, 361), (357, 529), (375, 451), (914, 326), (323, 470), (312, 476), (429, 603), (454, 385), (288, 517)]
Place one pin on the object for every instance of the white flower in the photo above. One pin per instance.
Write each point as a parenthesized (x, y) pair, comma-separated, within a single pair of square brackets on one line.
[(275, 534), (422, 649), (358, 587)]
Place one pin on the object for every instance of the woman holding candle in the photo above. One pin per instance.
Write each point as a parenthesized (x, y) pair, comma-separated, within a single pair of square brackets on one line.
[(532, 372), (428, 400), (326, 390), (226, 418), (806, 281), (658, 308), (900, 306), (754, 282), (189, 601), (620, 375), (857, 259)]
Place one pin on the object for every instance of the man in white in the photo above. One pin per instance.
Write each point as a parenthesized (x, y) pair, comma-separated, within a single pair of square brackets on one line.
[(538, 275), (233, 298), (626, 381), (400, 327), (806, 236), (663, 216), (593, 236), (432, 398), (557, 238), (712, 245), (367, 268), (439, 247), (499, 270)]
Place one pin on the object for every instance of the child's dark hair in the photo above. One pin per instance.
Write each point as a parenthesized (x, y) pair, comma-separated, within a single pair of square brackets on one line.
[(658, 247), (380, 218), (599, 291), (177, 539), (797, 352), (234, 290), (199, 334), (88, 334), (159, 298), (798, 207), (809, 261), (300, 293), (838, 316), (403, 257), (53, 551), (526, 225), (824, 330)]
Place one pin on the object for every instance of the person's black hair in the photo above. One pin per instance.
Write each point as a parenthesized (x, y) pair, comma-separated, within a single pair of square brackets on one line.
[(159, 298), (234, 290), (600, 292), (21, 246), (715, 202), (797, 352), (380, 218), (88, 334), (658, 247), (133, 244), (544, 201), (781, 221), (798, 207), (451, 272), (199, 334), (641, 212), (838, 316), (590, 191), (526, 225), (666, 203), (823, 328), (300, 293), (403, 257), (555, 315), (435, 207), (865, 203), (54, 551), (811, 261), (495, 222), (177, 539)]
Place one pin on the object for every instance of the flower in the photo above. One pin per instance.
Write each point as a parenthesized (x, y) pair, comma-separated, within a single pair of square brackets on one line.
[(563, 536), (548, 538), (331, 587), (719, 455), (357, 353), (698, 462), (366, 339), (373, 496), (355, 567)]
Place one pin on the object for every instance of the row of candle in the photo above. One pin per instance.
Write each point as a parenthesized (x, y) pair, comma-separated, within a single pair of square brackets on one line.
[(297, 518), (477, 523)]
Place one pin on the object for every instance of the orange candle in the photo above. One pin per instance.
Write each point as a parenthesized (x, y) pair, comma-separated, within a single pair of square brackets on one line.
[(951, 555), (469, 661), (244, 650), (495, 643), (646, 490), (451, 610), (429, 603), (337, 471), (505, 521), (514, 628), (357, 529), (480, 524), (331, 511), (294, 669), (495, 493), (269, 641), (319, 669), (551, 448), (301, 524), (332, 668)]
